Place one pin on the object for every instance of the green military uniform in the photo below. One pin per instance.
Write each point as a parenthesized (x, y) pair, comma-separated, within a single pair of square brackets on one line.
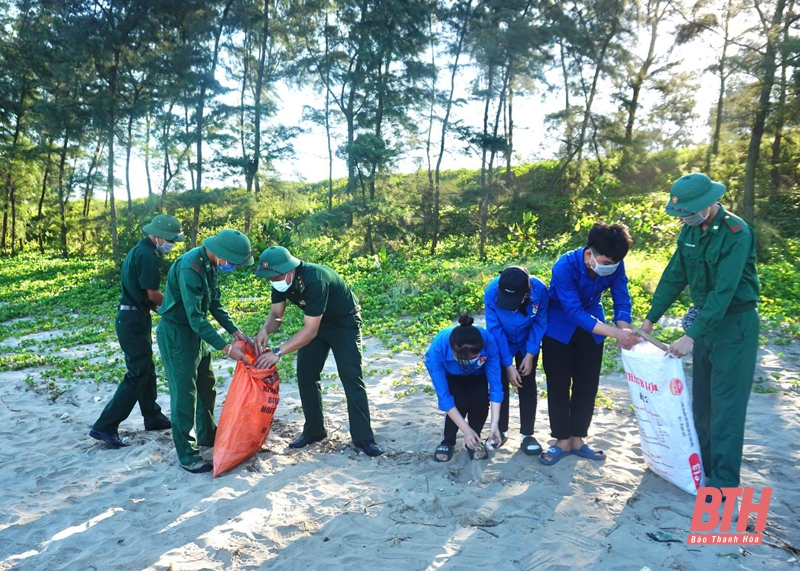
[(719, 266), (133, 325), (139, 274), (318, 290), (184, 335)]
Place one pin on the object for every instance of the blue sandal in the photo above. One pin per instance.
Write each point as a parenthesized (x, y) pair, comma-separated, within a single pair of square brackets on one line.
[(555, 453), (586, 451)]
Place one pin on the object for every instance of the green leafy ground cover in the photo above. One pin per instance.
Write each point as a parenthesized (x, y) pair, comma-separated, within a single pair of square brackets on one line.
[(48, 304)]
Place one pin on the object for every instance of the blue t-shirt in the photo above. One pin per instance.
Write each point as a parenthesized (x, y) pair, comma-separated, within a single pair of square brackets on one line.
[(440, 361), (519, 331), (575, 297)]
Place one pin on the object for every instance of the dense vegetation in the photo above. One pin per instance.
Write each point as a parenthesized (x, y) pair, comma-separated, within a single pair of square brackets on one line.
[(192, 87), (51, 303)]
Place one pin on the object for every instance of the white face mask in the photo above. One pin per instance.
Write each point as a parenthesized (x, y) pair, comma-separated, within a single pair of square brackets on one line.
[(696, 219), (603, 269), (281, 285), (165, 247)]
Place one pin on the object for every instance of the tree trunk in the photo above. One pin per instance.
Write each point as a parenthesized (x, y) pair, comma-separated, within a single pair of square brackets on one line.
[(642, 74), (248, 181), (10, 170), (200, 122), (769, 66), (375, 167), (368, 233), (445, 126), (168, 173), (40, 210), (349, 115), (7, 198), (484, 210), (128, 147), (89, 190), (13, 201), (510, 137), (492, 154), (593, 90), (147, 158), (63, 197), (567, 107), (587, 113), (427, 196), (262, 58), (328, 117), (723, 60), (775, 162), (112, 87)]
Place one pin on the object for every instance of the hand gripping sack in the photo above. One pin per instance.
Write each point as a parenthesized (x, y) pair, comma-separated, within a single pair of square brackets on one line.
[(247, 413), (663, 406)]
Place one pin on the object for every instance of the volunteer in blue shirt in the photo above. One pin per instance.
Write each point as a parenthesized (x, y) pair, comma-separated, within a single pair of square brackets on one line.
[(516, 316), (572, 348), (464, 366)]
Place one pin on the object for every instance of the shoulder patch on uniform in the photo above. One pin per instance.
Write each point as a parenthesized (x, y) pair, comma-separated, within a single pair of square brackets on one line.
[(198, 265), (734, 225)]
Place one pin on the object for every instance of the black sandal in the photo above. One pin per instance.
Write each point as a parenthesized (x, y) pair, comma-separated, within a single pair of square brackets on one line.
[(481, 449), (443, 449), (531, 446), (492, 445)]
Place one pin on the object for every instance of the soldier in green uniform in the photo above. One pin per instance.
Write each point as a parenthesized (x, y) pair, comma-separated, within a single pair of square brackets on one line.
[(716, 258), (332, 321), (140, 280), (185, 333)]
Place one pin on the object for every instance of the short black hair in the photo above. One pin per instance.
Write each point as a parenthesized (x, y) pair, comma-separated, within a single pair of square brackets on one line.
[(612, 240), (465, 340)]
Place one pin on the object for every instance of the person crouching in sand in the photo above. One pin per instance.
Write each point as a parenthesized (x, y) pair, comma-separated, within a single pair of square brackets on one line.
[(464, 365)]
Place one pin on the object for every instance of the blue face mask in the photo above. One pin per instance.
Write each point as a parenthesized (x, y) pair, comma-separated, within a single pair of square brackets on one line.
[(467, 362), (227, 268)]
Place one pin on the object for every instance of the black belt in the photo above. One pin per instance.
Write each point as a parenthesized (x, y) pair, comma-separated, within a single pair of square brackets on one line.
[(130, 308), (741, 308)]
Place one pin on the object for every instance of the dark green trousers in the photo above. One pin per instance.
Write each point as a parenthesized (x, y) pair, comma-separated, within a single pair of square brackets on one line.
[(723, 370), (343, 337), (139, 385), (192, 389)]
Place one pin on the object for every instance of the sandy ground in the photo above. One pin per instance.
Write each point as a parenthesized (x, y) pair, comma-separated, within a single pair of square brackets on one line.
[(70, 502)]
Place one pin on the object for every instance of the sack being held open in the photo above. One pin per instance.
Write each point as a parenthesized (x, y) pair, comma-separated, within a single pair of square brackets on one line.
[(247, 413), (663, 406)]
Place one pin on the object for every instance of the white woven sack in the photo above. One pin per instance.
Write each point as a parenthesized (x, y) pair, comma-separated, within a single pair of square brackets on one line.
[(663, 406)]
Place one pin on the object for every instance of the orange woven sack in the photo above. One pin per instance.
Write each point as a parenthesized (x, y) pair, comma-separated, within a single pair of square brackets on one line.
[(247, 413)]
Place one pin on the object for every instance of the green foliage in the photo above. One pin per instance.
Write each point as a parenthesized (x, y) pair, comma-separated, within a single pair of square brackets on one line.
[(48, 303)]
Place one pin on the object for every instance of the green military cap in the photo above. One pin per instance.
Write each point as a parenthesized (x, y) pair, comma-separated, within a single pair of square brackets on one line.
[(275, 261), (165, 226), (232, 246), (692, 193)]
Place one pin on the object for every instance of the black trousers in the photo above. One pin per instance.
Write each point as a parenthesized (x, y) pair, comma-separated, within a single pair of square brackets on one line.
[(139, 385), (471, 393), (527, 398), (343, 337), (574, 365)]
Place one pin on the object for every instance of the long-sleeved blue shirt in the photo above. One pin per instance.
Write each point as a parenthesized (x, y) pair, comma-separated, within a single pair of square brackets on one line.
[(440, 362), (575, 297), (519, 331)]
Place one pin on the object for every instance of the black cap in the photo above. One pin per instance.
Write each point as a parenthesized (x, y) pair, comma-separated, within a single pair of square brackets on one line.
[(514, 285)]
